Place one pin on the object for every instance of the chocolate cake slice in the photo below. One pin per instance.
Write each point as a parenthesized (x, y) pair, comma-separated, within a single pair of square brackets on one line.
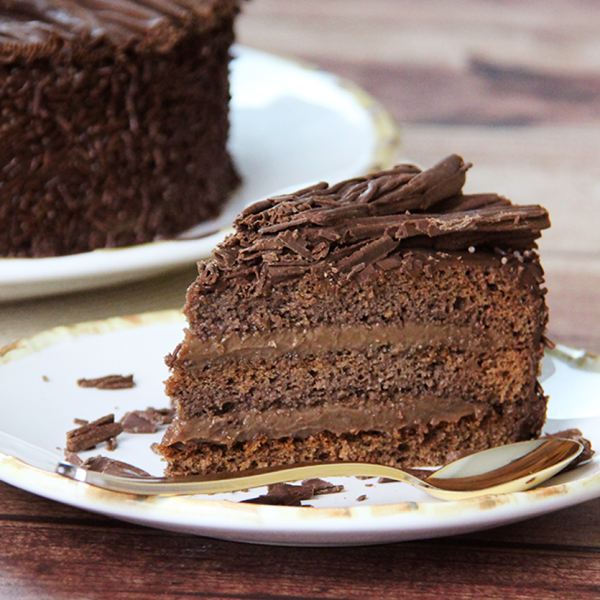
[(114, 121), (389, 318)]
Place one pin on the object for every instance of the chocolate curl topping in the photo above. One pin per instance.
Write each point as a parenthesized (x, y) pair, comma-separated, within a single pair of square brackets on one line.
[(353, 226)]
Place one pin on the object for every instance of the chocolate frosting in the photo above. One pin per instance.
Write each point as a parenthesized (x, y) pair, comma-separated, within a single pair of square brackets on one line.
[(30, 28), (352, 228)]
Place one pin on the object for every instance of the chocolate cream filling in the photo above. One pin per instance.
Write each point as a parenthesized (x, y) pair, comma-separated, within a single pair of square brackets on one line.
[(242, 426), (198, 353)]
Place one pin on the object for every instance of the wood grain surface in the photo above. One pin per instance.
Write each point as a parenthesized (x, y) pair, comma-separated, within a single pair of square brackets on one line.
[(513, 86), (50, 550)]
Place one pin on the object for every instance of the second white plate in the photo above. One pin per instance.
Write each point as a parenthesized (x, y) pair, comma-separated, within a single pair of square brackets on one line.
[(291, 126)]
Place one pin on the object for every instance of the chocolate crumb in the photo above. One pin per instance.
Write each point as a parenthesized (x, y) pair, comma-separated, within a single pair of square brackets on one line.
[(361, 498), (80, 421), (89, 435), (108, 382), (45, 378)]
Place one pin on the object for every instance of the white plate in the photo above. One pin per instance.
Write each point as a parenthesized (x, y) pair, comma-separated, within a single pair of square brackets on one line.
[(40, 399), (291, 126)]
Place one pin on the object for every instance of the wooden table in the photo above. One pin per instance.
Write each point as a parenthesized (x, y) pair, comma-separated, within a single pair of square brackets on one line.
[(514, 88)]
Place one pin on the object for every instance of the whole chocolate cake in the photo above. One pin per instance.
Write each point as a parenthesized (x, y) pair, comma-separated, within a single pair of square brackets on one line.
[(114, 121), (388, 318)]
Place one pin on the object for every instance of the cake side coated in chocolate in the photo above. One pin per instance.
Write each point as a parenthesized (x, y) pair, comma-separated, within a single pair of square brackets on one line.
[(389, 318), (114, 121)]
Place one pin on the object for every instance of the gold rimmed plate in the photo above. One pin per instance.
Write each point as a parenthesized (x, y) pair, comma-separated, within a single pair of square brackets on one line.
[(38, 378)]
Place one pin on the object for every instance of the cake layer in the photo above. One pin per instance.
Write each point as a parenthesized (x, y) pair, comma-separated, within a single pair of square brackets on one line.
[(421, 287), (425, 445), (379, 387)]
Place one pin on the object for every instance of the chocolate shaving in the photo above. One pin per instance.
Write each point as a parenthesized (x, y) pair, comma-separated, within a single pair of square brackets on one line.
[(102, 464), (469, 202), (285, 494), (354, 228), (548, 343), (421, 473), (88, 436), (162, 416), (108, 382), (146, 421), (73, 459), (137, 422), (321, 487), (375, 250), (282, 494)]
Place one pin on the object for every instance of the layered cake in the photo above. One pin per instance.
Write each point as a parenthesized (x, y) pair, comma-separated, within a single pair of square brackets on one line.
[(114, 121), (390, 318)]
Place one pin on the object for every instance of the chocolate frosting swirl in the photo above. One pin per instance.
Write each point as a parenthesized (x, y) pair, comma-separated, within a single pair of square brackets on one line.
[(355, 226), (30, 28)]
